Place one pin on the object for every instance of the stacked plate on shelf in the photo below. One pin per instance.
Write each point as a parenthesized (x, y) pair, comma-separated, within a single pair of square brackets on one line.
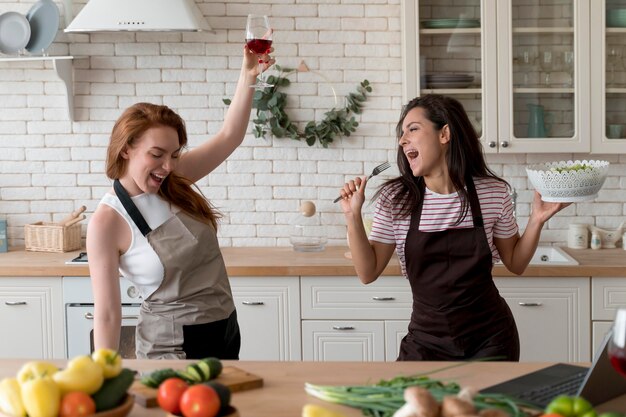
[(449, 80), (33, 32), (450, 23), (616, 18)]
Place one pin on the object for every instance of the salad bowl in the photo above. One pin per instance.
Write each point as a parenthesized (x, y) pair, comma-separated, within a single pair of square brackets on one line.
[(568, 181)]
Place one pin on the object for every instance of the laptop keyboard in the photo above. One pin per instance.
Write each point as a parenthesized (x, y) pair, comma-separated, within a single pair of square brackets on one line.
[(543, 395)]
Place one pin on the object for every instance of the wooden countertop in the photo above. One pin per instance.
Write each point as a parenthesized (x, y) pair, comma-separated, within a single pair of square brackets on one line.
[(283, 392), (283, 261)]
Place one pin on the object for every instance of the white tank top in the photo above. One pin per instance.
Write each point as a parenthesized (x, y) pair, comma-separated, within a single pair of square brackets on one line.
[(140, 264)]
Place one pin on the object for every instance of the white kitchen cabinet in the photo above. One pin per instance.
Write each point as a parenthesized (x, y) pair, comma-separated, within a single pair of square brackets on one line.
[(608, 75), (517, 105), (607, 295), (32, 318), (343, 319), (268, 311), (552, 316)]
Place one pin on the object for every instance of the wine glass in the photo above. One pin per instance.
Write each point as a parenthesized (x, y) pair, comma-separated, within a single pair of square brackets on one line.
[(526, 61), (613, 63), (546, 62), (568, 63), (617, 343), (259, 40)]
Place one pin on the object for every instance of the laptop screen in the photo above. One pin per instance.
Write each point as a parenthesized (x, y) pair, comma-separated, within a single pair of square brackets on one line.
[(602, 382)]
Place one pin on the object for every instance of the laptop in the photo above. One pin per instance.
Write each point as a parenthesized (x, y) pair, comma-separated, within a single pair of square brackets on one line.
[(597, 384)]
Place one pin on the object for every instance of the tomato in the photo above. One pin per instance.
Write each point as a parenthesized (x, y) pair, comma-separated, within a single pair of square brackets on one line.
[(169, 394), (200, 401), (77, 404)]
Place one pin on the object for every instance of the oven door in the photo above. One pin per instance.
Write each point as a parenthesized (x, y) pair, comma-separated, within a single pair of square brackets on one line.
[(80, 329)]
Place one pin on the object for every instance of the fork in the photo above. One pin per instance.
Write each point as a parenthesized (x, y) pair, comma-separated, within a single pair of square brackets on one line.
[(377, 170)]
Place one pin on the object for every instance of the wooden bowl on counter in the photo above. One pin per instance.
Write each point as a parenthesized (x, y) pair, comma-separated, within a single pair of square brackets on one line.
[(121, 410)]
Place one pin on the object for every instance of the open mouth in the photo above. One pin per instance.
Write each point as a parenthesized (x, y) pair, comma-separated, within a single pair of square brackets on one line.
[(411, 155), (157, 178)]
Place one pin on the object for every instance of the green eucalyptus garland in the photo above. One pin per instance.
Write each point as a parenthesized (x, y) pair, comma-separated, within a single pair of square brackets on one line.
[(271, 116)]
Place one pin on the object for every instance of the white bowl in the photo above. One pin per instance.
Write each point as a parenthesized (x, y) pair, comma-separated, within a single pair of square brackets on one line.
[(561, 182)]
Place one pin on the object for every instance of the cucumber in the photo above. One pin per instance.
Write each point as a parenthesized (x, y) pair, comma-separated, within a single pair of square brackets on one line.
[(215, 365), (223, 392), (113, 390), (154, 379), (197, 373)]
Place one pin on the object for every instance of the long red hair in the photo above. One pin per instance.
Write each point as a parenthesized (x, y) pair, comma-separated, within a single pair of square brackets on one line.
[(175, 189)]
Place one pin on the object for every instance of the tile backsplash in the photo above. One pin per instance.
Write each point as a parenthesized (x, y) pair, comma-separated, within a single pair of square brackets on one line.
[(49, 166)]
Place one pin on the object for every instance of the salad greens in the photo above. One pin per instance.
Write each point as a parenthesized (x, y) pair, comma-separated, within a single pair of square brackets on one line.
[(575, 167)]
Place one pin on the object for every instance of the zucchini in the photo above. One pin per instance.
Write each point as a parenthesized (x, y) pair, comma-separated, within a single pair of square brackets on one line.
[(113, 390), (223, 392), (196, 373)]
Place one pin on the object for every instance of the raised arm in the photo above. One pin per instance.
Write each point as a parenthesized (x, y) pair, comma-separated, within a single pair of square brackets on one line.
[(517, 251), (369, 258), (203, 159)]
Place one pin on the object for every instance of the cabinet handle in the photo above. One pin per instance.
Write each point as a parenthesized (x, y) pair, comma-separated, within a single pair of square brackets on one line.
[(523, 304), (343, 328), (492, 144), (89, 316), (253, 303), (505, 144), (15, 303), (383, 298)]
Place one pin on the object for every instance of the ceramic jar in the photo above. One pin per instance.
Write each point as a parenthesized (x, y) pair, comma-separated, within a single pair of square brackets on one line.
[(578, 236)]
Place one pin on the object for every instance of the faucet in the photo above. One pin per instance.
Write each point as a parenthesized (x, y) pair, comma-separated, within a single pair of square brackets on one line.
[(513, 195)]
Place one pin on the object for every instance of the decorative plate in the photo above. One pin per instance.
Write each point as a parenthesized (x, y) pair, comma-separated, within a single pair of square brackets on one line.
[(568, 181), (44, 23), (14, 32)]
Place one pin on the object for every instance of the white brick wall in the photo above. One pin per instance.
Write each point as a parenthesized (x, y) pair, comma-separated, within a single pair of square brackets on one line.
[(49, 166)]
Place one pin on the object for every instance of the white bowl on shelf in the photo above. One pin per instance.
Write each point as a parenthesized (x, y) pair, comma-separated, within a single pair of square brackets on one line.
[(568, 181)]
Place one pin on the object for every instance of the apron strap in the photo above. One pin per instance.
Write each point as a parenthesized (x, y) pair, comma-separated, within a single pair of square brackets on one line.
[(131, 208), (474, 203)]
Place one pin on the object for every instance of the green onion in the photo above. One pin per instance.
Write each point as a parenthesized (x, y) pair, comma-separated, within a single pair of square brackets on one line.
[(385, 397)]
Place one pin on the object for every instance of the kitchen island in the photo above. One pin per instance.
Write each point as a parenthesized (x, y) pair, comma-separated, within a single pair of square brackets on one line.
[(283, 395)]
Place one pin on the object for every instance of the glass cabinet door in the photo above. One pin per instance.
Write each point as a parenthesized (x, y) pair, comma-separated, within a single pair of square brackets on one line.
[(543, 72), (608, 76), (446, 55)]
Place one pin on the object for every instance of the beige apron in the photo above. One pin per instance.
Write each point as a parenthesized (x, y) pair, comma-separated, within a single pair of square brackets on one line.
[(195, 287)]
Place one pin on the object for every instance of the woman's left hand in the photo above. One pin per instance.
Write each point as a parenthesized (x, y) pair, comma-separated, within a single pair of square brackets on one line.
[(543, 210)]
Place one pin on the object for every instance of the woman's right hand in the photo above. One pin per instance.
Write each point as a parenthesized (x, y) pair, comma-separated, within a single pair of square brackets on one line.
[(353, 195)]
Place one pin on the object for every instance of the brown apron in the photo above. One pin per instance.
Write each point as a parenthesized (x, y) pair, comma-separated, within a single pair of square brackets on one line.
[(457, 313), (194, 297)]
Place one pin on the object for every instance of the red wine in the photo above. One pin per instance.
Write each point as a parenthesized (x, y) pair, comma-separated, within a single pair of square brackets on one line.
[(259, 46), (618, 360)]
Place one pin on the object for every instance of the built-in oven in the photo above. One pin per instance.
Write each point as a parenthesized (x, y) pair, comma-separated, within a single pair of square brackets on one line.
[(79, 311)]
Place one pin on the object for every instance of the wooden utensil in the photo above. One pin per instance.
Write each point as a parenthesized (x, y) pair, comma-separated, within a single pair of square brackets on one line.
[(73, 215), (234, 378), (74, 221)]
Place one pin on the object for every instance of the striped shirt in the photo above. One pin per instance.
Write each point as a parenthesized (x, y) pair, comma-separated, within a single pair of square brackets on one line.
[(440, 212)]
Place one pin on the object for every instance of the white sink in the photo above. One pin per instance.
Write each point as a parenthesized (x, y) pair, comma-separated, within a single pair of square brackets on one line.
[(551, 255)]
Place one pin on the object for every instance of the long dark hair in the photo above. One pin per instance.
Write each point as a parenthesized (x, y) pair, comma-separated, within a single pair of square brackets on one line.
[(464, 154), (175, 189)]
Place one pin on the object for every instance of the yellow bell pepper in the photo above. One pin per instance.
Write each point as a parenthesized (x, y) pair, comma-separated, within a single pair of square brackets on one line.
[(34, 370), (11, 398), (41, 397), (109, 360), (82, 374)]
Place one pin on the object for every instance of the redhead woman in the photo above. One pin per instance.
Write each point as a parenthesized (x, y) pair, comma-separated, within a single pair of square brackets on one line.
[(159, 232), (449, 218)]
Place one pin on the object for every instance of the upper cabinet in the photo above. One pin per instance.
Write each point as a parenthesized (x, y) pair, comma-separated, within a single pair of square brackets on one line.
[(608, 75), (525, 71)]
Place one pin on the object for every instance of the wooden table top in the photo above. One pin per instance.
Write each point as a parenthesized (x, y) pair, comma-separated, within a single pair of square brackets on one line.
[(283, 392), (284, 261)]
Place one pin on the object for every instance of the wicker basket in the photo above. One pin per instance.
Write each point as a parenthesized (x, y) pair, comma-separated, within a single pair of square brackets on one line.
[(52, 237)]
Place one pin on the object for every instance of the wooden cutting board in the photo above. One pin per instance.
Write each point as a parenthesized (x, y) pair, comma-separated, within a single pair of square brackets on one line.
[(234, 378)]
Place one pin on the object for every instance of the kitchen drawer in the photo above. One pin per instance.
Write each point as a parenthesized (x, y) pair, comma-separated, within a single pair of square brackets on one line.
[(607, 294), (346, 298), (334, 340)]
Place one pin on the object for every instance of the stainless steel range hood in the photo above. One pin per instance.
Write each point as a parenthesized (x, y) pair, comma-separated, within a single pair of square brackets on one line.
[(139, 15)]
